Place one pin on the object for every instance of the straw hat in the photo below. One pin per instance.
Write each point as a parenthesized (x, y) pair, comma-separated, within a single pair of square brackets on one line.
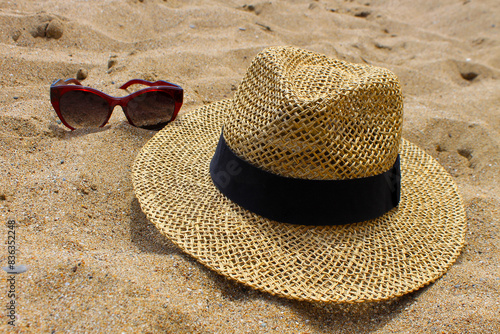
[(293, 186)]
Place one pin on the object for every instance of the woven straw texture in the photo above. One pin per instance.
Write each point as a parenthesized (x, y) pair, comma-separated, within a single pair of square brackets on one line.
[(397, 253), (301, 114)]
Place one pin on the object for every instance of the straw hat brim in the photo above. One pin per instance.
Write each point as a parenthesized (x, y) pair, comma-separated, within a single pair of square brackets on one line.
[(400, 252)]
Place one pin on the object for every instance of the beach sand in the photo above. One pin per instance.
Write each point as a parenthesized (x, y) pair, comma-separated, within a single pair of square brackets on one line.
[(95, 262)]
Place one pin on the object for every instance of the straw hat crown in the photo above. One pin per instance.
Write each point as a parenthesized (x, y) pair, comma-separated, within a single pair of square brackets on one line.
[(301, 114)]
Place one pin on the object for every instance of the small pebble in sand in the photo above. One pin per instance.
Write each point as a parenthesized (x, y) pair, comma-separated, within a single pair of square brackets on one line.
[(112, 61), (39, 30), (15, 35), (82, 74), (54, 29), (469, 76), (362, 14)]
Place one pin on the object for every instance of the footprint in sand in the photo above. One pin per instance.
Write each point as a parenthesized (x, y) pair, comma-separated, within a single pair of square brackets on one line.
[(470, 143), (471, 71)]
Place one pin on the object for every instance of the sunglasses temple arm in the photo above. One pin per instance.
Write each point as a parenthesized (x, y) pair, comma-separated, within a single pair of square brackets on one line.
[(67, 81), (148, 83)]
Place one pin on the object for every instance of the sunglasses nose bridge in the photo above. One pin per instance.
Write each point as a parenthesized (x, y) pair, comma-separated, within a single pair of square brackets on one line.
[(121, 101), (116, 101)]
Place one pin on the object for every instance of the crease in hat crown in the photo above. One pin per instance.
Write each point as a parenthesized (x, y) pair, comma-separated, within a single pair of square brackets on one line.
[(301, 114)]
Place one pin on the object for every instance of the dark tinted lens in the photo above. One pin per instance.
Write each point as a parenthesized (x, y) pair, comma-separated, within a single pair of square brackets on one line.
[(82, 109), (151, 109)]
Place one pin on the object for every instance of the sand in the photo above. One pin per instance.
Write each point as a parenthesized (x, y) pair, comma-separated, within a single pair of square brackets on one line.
[(95, 262)]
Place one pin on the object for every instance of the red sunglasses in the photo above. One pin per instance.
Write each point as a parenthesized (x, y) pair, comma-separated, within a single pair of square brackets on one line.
[(151, 108)]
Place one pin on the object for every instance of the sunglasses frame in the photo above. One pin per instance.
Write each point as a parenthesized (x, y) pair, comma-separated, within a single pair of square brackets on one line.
[(59, 87)]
